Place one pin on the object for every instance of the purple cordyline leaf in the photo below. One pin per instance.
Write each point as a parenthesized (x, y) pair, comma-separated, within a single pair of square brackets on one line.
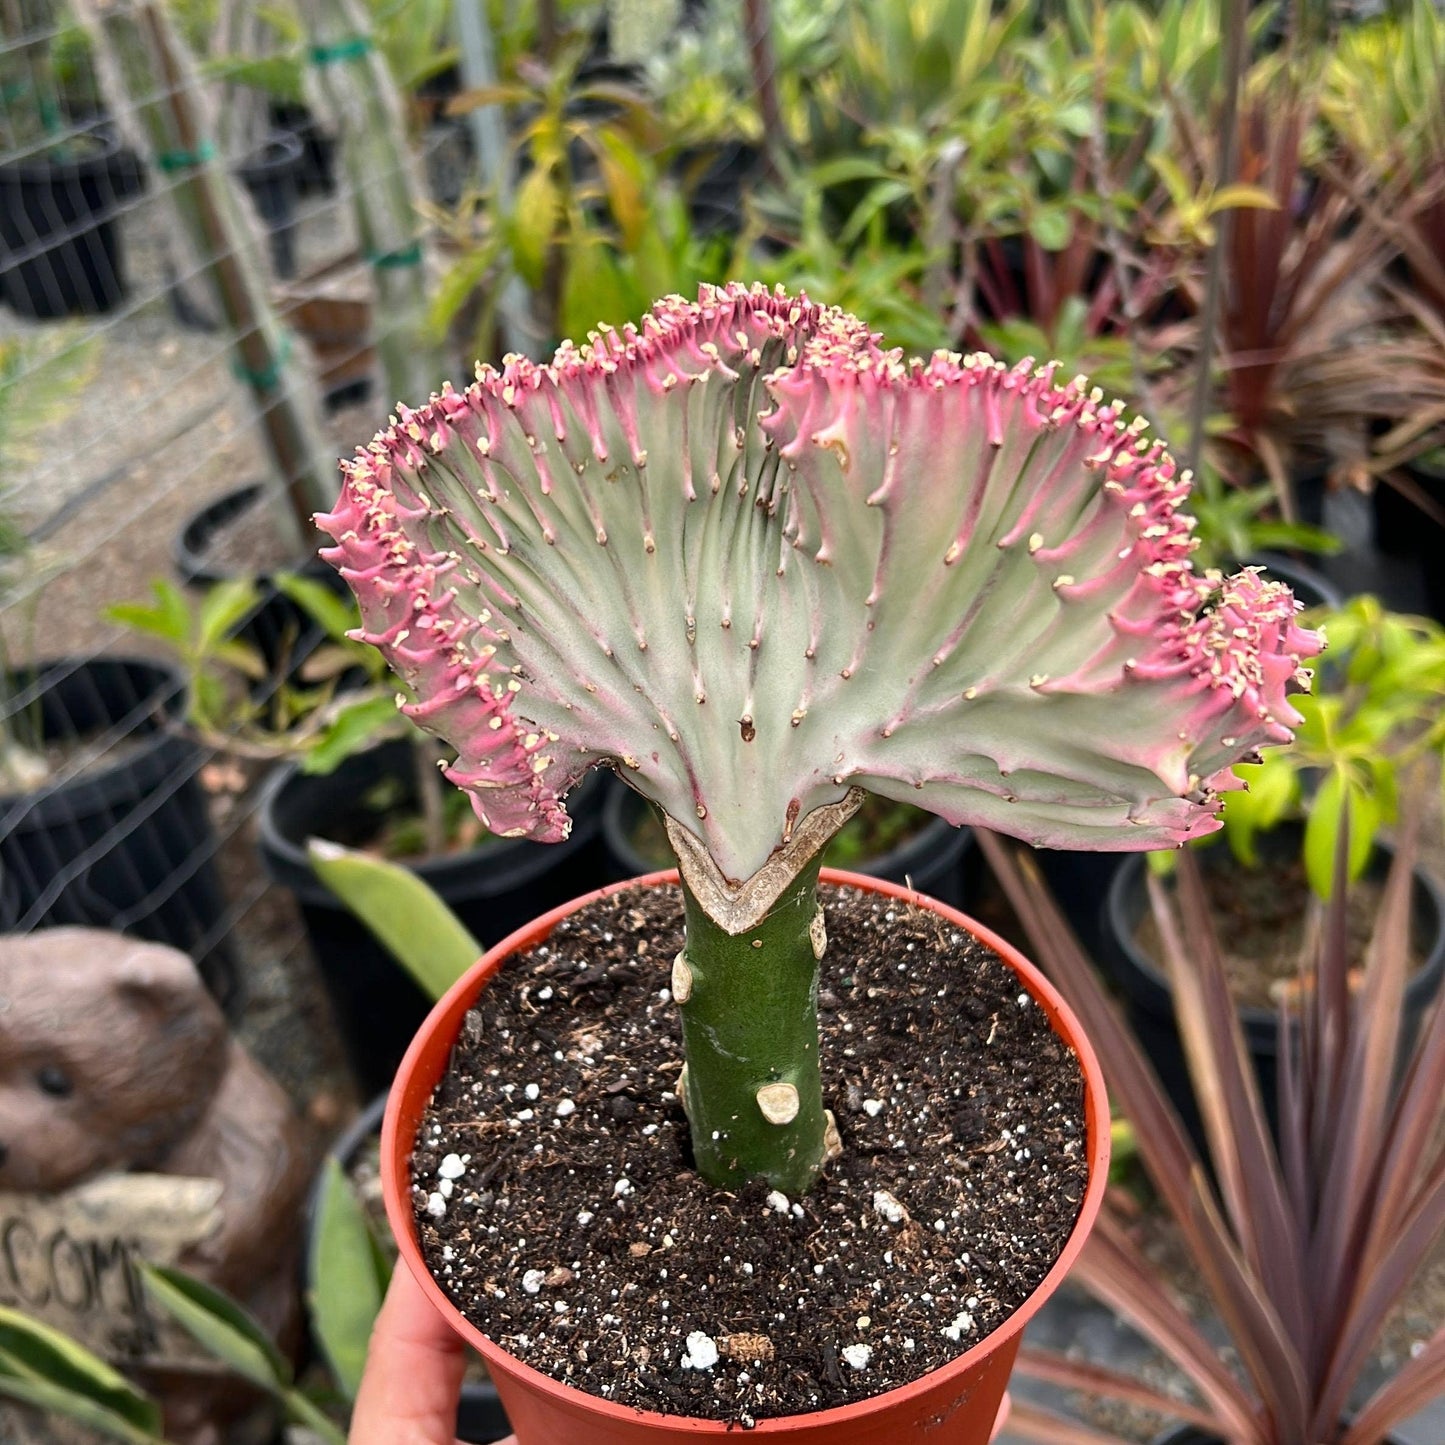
[(1351, 1181), (1165, 1149), (1100, 1380), (1415, 1386), (1033, 1422), (1227, 1092), (751, 560), (1269, 1355), (1390, 1275), (1110, 1269)]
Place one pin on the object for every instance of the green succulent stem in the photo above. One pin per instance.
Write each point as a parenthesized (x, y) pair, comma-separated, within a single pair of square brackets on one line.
[(749, 1005)]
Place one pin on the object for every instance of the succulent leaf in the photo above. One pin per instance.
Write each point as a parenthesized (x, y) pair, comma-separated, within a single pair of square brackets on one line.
[(752, 560)]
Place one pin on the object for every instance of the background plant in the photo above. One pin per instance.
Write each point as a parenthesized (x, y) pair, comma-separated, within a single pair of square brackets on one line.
[(1305, 1245), (1378, 708)]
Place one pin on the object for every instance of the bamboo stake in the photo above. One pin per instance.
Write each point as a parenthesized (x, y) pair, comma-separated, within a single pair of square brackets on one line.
[(360, 103), (147, 76)]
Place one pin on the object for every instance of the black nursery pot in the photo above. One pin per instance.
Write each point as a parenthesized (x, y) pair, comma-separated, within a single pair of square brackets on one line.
[(272, 175), (277, 628), (932, 860), (494, 889), (127, 844), (60, 246), (1406, 532), (480, 1417), (1150, 996), (316, 174)]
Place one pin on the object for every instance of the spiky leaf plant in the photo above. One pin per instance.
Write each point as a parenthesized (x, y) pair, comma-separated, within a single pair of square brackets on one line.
[(759, 565)]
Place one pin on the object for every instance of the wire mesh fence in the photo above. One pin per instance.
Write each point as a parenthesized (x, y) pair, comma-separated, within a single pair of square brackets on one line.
[(139, 399)]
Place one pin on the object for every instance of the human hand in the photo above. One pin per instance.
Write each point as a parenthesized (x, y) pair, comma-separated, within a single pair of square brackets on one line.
[(413, 1375)]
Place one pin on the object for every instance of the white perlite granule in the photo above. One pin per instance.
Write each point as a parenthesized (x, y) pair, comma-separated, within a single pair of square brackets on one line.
[(702, 1353)]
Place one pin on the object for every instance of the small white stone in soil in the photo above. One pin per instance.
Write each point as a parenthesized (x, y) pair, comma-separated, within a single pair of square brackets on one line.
[(622, 1188), (939, 1225), (448, 1252), (532, 1280), (533, 1091), (778, 1201), (701, 1353), (565, 1107), (649, 1130), (525, 1114), (545, 993), (817, 1269), (858, 1355), (445, 1188), (962, 1324), (436, 1206), (873, 1107), (885, 1206), (561, 1307), (451, 1167), (584, 1216), (910, 1346), (1023, 1000), (797, 1211), (864, 1322)]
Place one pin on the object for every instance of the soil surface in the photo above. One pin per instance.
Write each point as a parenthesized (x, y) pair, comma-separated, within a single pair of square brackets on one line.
[(1263, 917), (574, 1233)]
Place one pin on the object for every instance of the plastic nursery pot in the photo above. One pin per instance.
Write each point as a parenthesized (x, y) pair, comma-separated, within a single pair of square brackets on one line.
[(271, 174), (60, 246), (493, 888), (933, 860), (480, 1417), (123, 841), (960, 1403), (1145, 983)]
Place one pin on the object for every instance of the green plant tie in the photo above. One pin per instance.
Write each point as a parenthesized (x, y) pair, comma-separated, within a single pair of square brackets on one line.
[(391, 260), (352, 48), (269, 376), (172, 161)]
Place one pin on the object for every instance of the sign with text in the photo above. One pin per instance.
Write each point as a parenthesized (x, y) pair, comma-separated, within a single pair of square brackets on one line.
[(69, 1260)]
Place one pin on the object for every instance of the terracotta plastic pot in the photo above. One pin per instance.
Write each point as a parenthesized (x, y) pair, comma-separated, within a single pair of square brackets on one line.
[(960, 1404)]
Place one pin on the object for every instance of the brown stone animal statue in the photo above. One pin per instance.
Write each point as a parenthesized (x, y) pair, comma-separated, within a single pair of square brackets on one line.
[(114, 1059)]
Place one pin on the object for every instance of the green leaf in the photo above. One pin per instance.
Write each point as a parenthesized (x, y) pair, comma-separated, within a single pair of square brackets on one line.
[(335, 615), (168, 619), (56, 1400), (223, 609), (40, 1355), (624, 175), (1339, 795), (535, 216), (354, 727), (1051, 227), (347, 1280), (407, 917), (220, 1325)]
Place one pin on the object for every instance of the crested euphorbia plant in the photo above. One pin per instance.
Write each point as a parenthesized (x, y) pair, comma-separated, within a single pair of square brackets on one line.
[(759, 565)]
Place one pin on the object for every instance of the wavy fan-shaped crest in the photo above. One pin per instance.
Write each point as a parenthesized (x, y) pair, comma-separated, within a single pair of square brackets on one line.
[(752, 560)]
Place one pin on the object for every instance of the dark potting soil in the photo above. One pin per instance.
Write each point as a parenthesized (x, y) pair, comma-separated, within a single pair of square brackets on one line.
[(1262, 916), (576, 1236)]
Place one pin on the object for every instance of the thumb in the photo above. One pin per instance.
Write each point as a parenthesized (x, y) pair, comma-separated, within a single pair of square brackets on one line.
[(413, 1376)]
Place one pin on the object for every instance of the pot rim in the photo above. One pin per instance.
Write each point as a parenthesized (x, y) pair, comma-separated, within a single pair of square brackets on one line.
[(413, 1088)]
